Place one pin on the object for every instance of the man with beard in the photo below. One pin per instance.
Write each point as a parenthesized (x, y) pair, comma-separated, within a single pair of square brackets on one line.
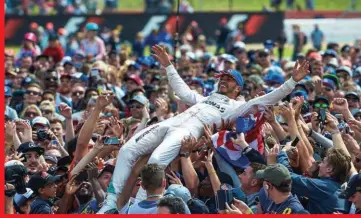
[(32, 154), (61, 88), (77, 96), (163, 140), (84, 196)]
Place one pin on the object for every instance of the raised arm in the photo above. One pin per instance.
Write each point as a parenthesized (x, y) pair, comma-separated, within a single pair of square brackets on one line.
[(300, 71), (180, 88)]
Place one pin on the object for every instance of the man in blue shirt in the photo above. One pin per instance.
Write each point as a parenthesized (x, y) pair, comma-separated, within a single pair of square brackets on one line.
[(276, 197), (317, 37), (323, 192)]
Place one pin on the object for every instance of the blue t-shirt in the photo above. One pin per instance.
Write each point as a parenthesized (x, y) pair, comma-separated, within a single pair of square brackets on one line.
[(40, 206), (290, 206)]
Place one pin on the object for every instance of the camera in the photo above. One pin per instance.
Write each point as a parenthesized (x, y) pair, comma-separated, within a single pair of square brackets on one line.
[(15, 175), (43, 135)]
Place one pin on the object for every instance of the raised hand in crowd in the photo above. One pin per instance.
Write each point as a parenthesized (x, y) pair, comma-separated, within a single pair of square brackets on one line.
[(117, 127), (300, 70), (27, 135), (272, 155), (160, 54), (240, 141), (161, 108), (173, 178), (65, 110), (104, 99)]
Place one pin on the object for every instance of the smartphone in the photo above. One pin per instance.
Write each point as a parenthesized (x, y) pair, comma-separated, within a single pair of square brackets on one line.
[(294, 142), (112, 141), (223, 197)]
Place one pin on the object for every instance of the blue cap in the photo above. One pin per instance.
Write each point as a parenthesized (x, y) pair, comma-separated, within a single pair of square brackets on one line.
[(299, 93), (179, 191), (135, 65), (269, 44), (80, 76), (8, 92), (197, 81), (235, 74), (147, 61), (230, 58), (329, 82), (141, 99), (353, 186), (92, 27), (272, 76), (27, 81), (330, 52), (345, 69)]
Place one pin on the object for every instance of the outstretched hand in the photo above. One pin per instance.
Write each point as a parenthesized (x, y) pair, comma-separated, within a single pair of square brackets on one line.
[(161, 55), (301, 70)]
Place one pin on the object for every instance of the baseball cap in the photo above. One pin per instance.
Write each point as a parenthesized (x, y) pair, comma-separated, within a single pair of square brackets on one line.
[(353, 95), (345, 69), (230, 58), (264, 52), (53, 37), (21, 199), (329, 83), (299, 93), (108, 168), (197, 81), (256, 79), (30, 146), (269, 44), (255, 69), (353, 186), (274, 77), (8, 92), (135, 65), (239, 45), (38, 181), (80, 76), (141, 99), (91, 27), (40, 121), (333, 62), (345, 48), (333, 77), (51, 158), (237, 76), (330, 52), (179, 191), (321, 98), (275, 174), (135, 78)]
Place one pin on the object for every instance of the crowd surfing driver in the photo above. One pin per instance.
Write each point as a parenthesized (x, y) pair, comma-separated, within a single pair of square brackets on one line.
[(164, 142)]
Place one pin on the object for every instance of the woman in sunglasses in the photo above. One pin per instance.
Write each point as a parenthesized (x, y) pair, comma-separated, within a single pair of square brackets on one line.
[(30, 112)]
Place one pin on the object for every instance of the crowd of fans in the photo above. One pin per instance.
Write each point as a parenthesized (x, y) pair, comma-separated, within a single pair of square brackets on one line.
[(72, 104)]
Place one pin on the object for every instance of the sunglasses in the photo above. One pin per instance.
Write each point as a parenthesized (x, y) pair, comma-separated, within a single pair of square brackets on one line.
[(46, 111), (32, 92), (318, 105), (327, 89), (77, 93), (135, 106), (31, 114), (51, 79)]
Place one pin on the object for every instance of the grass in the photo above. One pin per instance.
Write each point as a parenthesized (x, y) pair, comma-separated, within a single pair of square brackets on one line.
[(242, 5)]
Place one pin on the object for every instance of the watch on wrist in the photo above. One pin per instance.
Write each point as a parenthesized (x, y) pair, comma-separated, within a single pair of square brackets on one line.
[(184, 154)]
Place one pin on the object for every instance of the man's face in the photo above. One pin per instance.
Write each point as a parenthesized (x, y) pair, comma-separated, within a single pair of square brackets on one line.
[(85, 190), (26, 208), (163, 210), (317, 68), (68, 68), (131, 85), (353, 102), (226, 84), (51, 81), (357, 161), (65, 86), (43, 64), (356, 199), (48, 97), (229, 65), (32, 95), (26, 62), (320, 105), (187, 76), (264, 59), (328, 92), (19, 79), (247, 178), (343, 76), (136, 109), (49, 190), (104, 180), (32, 161), (57, 129), (77, 93), (324, 168)]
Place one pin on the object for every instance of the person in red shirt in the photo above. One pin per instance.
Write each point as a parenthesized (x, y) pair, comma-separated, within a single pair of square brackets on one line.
[(54, 49)]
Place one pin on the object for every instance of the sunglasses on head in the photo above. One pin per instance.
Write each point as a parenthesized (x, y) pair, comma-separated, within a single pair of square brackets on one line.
[(32, 92), (318, 105)]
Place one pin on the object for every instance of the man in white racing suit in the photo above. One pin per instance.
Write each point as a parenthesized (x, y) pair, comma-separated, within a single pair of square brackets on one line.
[(163, 140)]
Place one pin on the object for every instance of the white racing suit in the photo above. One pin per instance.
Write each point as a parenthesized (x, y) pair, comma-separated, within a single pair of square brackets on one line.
[(163, 140)]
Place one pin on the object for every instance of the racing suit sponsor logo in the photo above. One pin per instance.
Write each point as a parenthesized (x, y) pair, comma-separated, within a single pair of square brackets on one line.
[(216, 105), (146, 133)]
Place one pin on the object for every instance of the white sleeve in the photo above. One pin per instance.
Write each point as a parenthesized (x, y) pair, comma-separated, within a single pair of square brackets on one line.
[(269, 99), (180, 88)]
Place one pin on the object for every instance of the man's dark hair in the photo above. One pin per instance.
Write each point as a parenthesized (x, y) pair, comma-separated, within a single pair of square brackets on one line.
[(175, 205), (49, 92), (152, 176), (285, 186), (55, 120), (255, 167)]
